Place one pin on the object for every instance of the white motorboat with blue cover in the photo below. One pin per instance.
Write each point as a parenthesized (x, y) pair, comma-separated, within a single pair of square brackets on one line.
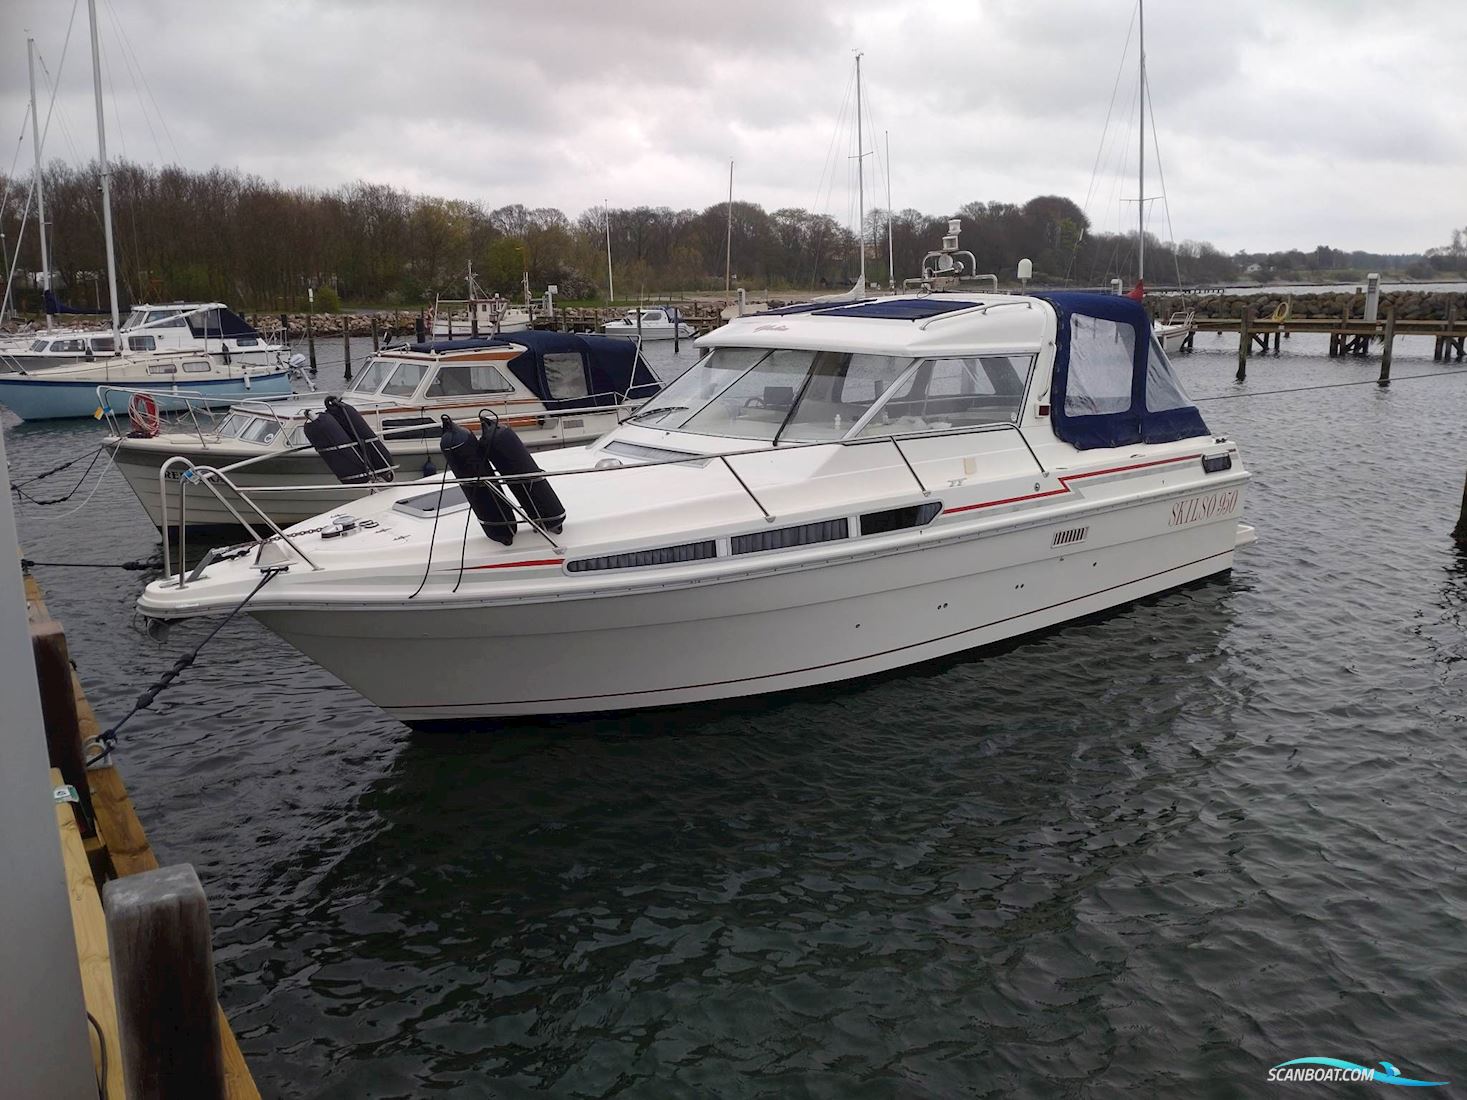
[(555, 389), (832, 491), (203, 349)]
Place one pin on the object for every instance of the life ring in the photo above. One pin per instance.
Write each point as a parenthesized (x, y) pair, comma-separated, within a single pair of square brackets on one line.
[(142, 410)]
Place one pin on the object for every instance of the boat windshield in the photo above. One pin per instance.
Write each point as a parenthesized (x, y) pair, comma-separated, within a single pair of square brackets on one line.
[(802, 396), (374, 373)]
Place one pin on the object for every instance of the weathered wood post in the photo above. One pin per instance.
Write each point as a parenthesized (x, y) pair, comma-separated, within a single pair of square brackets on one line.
[(346, 345), (310, 326), (418, 329), (1245, 339), (1459, 532), (1390, 343), (376, 343), (163, 972), (58, 711)]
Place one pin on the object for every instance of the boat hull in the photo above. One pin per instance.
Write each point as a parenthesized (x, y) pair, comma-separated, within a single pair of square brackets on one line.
[(283, 475), (35, 397), (648, 333), (768, 632)]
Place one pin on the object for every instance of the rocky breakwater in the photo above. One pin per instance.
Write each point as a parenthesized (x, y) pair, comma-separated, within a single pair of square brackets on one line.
[(1410, 305), (399, 322)]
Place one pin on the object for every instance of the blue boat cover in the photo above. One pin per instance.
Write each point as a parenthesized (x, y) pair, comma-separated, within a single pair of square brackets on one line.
[(615, 370), (1113, 385), (217, 323)]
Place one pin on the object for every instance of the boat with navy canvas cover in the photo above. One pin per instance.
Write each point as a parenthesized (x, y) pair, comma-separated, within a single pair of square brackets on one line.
[(555, 389), (832, 491)]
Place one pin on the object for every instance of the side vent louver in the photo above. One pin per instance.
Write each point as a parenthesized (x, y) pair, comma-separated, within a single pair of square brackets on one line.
[(1070, 537), (826, 531), (899, 519), (663, 555)]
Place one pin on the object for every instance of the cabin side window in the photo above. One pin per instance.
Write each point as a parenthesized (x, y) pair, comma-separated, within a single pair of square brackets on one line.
[(1101, 356), (566, 373), (406, 379), (464, 379), (142, 343), (102, 344)]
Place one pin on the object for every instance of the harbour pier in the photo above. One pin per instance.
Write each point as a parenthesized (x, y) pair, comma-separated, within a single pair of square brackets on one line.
[(102, 842)]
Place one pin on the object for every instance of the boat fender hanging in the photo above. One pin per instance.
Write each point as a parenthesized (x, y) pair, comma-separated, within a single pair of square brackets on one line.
[(461, 451), (506, 452), (375, 455), (342, 453)]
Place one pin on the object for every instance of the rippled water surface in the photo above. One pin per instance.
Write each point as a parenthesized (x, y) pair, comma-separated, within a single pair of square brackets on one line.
[(1155, 853)]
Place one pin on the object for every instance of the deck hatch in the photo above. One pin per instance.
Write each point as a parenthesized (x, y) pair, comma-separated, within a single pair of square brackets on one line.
[(830, 530), (634, 559), (899, 519)]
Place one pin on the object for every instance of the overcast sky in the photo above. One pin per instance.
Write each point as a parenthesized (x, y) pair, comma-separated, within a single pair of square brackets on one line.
[(1281, 123)]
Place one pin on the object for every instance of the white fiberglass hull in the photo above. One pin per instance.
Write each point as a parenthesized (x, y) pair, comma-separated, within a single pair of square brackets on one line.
[(1171, 337), (762, 632)]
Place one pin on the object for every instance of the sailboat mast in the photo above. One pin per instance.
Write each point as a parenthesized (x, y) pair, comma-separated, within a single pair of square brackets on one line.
[(890, 263), (106, 173), (30, 45), (610, 285), (728, 242), (860, 178), (1141, 161)]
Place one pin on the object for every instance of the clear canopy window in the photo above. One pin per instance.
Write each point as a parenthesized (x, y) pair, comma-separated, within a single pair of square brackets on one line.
[(1101, 355)]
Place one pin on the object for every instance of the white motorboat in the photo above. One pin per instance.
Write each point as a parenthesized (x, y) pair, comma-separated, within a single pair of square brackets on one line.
[(832, 491), (555, 389), (651, 323), (1173, 332)]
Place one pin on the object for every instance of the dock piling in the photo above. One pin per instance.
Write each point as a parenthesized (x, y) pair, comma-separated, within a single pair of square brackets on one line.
[(1244, 341), (58, 712), (418, 328), (1459, 532), (310, 327), (163, 974), (346, 345), (376, 342), (1389, 347)]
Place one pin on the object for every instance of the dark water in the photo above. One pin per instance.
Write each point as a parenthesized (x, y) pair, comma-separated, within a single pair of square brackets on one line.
[(1152, 855)]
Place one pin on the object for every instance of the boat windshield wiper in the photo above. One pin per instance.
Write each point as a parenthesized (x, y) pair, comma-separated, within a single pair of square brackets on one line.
[(659, 409)]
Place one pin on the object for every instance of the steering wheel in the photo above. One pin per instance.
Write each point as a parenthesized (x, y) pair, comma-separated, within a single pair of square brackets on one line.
[(754, 403)]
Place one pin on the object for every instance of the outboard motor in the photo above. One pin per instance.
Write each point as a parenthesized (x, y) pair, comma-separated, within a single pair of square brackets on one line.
[(347, 442), (506, 452), (466, 460)]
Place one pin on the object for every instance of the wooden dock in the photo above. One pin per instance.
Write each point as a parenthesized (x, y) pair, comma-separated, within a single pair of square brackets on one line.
[(110, 844), (1348, 336)]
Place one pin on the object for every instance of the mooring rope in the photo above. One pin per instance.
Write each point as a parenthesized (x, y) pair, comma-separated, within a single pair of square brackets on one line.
[(138, 566), (19, 487), (108, 737)]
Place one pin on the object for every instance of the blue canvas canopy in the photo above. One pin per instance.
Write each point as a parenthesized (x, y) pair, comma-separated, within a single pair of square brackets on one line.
[(1113, 385), (612, 369), (217, 323)]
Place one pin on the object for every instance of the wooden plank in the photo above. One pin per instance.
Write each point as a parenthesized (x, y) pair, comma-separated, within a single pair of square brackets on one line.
[(90, 929)]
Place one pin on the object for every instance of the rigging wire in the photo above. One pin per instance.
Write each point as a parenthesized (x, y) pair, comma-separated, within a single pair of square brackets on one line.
[(1166, 202)]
